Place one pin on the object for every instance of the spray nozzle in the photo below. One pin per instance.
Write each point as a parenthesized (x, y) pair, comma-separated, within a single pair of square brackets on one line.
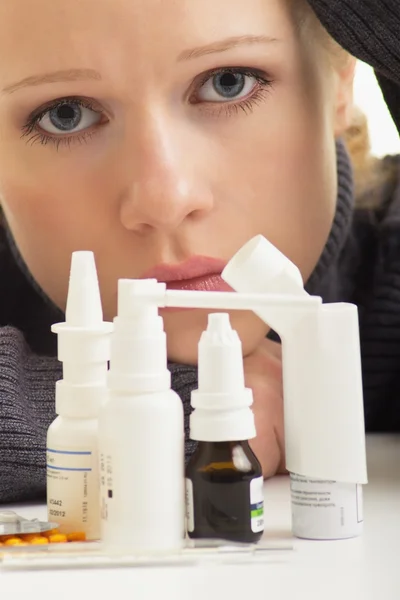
[(83, 342), (84, 302), (139, 344), (139, 298)]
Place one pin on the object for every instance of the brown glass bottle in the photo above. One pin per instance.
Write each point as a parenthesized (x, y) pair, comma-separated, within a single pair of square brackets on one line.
[(224, 495)]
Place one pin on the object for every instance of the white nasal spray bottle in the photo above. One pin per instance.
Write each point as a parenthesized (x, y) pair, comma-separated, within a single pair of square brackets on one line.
[(141, 433), (323, 397), (84, 350)]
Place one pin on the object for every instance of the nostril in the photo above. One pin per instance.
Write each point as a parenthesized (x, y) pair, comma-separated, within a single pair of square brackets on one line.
[(163, 203), (143, 228)]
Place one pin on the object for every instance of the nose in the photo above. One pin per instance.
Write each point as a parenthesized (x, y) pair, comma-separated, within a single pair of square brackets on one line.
[(166, 183)]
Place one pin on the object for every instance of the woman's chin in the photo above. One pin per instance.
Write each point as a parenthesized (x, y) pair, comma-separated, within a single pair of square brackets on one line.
[(184, 331)]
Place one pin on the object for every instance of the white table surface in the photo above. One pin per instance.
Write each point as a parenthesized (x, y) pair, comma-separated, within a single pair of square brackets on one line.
[(366, 568)]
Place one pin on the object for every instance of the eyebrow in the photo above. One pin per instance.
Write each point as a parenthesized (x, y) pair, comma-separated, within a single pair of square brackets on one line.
[(85, 74), (55, 77), (225, 45)]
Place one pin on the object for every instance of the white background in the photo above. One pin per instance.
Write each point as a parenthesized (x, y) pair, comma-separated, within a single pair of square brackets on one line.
[(384, 136)]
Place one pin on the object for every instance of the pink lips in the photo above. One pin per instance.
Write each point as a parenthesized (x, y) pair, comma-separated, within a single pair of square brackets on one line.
[(197, 273)]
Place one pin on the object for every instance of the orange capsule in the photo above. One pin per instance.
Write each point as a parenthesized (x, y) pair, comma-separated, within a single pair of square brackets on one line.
[(4, 538), (39, 541), (15, 541), (28, 537), (77, 536), (51, 532), (58, 538)]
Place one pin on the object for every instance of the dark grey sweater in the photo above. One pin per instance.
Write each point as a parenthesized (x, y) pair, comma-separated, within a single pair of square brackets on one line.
[(360, 263)]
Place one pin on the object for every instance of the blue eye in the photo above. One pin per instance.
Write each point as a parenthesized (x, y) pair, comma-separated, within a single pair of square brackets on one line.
[(227, 85), (68, 117)]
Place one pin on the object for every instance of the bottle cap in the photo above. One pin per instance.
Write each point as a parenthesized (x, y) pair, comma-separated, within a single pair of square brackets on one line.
[(222, 402), (139, 344)]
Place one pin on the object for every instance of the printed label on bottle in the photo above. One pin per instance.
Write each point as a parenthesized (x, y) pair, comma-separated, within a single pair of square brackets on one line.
[(257, 504), (72, 490), (189, 506), (325, 509), (106, 485)]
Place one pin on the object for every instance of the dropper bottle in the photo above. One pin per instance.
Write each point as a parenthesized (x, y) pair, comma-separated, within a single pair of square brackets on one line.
[(224, 483), (72, 457), (141, 433)]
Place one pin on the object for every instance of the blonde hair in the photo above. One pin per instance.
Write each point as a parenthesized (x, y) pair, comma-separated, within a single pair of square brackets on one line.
[(369, 174)]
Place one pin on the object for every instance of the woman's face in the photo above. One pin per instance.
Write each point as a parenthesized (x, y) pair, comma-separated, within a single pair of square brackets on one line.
[(154, 133)]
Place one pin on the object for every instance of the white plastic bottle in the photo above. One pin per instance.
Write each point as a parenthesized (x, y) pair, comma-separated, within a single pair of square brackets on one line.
[(141, 433), (72, 457)]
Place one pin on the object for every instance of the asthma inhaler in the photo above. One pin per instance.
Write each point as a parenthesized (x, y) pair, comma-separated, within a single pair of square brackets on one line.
[(323, 396)]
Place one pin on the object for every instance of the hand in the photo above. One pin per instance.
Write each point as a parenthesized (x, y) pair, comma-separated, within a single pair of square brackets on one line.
[(263, 374)]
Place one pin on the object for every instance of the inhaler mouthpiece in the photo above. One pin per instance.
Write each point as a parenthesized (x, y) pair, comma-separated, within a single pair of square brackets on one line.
[(221, 402), (260, 267)]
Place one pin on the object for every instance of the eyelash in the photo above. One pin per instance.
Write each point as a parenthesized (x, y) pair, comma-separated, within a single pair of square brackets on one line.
[(30, 129), (263, 86), (261, 89)]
